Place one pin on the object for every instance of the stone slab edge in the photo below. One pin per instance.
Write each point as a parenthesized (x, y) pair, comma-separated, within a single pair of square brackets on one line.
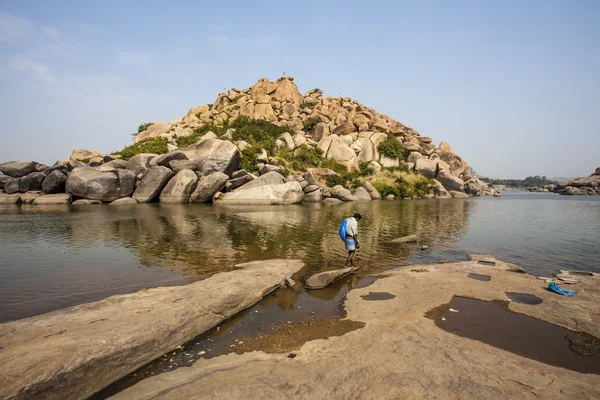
[(75, 352)]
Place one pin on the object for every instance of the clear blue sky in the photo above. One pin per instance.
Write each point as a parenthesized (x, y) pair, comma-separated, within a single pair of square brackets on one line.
[(513, 86)]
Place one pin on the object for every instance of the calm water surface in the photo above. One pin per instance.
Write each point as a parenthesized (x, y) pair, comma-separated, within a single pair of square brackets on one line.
[(54, 257)]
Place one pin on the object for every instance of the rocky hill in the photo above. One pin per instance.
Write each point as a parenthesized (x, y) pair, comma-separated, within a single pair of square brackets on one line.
[(267, 144)]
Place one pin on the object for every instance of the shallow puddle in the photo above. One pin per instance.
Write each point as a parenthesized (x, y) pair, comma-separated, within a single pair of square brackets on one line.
[(524, 298), (493, 323), (378, 296), (478, 277), (490, 263)]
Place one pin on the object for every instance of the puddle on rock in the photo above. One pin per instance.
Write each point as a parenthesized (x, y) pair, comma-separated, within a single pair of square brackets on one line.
[(375, 296), (478, 277), (490, 263), (494, 324), (524, 298), (282, 321)]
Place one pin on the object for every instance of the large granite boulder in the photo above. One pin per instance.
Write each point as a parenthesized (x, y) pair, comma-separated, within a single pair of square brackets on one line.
[(127, 180), (17, 169), (314, 196), (32, 181), (323, 279), (372, 191), (180, 165), (440, 191), (215, 155), (84, 155), (179, 188), (165, 159), (12, 186), (361, 194), (152, 184), (334, 147), (207, 187), (287, 193), (5, 179), (270, 178), (89, 183), (341, 193), (140, 163), (427, 168), (58, 166), (54, 182), (450, 182), (116, 164)]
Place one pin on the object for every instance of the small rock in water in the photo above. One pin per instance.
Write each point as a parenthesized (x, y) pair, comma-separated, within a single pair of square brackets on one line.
[(200, 353), (424, 247), (290, 282), (319, 281), (453, 310), (405, 239)]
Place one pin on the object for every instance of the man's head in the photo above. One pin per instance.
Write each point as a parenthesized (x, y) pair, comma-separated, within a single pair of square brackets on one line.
[(357, 216)]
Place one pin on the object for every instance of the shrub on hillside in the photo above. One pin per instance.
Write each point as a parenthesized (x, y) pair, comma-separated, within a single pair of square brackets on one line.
[(385, 188), (184, 141), (259, 133), (391, 147), (249, 160), (403, 187), (152, 145), (306, 157), (142, 128), (310, 123), (422, 187)]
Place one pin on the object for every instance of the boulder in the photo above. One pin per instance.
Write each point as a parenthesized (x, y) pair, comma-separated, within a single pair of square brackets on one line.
[(390, 197), (458, 195), (373, 193), (450, 182), (285, 139), (455, 163), (444, 146), (319, 131), (311, 188), (332, 200), (342, 193), (17, 169), (270, 178), (439, 191), (111, 157), (4, 179), (265, 169), (427, 168), (152, 184), (140, 163), (124, 201), (179, 165), (414, 156), (287, 193), (12, 186), (90, 184), (361, 194), (157, 129), (54, 182), (207, 187), (96, 162), (53, 199), (32, 181), (10, 199), (115, 164), (237, 182), (310, 178), (323, 279), (322, 173), (72, 164), (81, 155), (313, 196), (82, 202), (127, 181), (215, 155), (343, 129), (334, 147), (179, 188), (165, 159)]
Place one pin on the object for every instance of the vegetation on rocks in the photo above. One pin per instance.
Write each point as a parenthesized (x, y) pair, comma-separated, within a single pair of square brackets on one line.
[(310, 123), (391, 147), (142, 128), (401, 182), (153, 145), (184, 141)]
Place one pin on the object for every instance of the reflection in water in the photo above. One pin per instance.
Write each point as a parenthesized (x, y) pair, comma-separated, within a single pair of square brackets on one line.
[(96, 251)]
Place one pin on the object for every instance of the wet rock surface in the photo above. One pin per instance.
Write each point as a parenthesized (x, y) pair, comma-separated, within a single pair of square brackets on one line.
[(323, 279), (72, 353), (414, 347)]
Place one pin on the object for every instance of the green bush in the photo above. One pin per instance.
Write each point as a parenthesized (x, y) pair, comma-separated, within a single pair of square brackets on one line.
[(335, 166), (152, 145), (308, 104), (285, 172), (334, 180), (401, 168), (317, 90), (404, 189), (365, 170), (385, 188), (390, 147), (184, 141), (249, 160), (422, 187), (310, 123), (258, 133), (306, 157)]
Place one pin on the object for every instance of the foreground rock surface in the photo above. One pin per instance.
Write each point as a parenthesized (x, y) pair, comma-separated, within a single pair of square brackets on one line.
[(287, 193), (401, 354), (72, 353), (324, 279)]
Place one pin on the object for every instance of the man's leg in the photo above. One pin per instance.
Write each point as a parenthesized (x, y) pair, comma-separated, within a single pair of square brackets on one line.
[(349, 261)]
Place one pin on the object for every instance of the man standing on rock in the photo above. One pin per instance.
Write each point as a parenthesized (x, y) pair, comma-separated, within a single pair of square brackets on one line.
[(350, 229)]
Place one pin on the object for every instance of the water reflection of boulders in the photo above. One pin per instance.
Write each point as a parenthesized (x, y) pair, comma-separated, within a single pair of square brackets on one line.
[(208, 239)]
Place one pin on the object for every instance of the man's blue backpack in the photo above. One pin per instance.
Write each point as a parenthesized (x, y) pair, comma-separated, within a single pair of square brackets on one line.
[(343, 230)]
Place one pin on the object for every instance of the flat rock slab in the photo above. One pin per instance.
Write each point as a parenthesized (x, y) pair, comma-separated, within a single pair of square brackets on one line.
[(405, 239), (401, 354), (481, 257), (75, 352), (323, 279)]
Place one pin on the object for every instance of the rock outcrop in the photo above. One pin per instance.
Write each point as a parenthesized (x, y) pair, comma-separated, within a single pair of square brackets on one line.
[(286, 193), (589, 185)]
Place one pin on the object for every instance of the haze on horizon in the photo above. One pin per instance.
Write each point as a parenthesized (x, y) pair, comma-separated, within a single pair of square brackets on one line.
[(512, 86)]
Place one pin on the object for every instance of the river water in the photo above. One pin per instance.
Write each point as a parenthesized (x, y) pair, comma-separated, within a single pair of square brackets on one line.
[(55, 257)]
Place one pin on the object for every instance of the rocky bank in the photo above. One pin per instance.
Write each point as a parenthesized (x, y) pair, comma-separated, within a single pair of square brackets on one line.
[(403, 351), (210, 168)]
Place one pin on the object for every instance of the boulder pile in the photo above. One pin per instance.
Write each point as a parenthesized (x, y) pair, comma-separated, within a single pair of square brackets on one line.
[(210, 169), (589, 185)]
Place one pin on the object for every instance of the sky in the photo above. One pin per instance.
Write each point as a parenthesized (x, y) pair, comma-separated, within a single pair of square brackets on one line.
[(513, 86)]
